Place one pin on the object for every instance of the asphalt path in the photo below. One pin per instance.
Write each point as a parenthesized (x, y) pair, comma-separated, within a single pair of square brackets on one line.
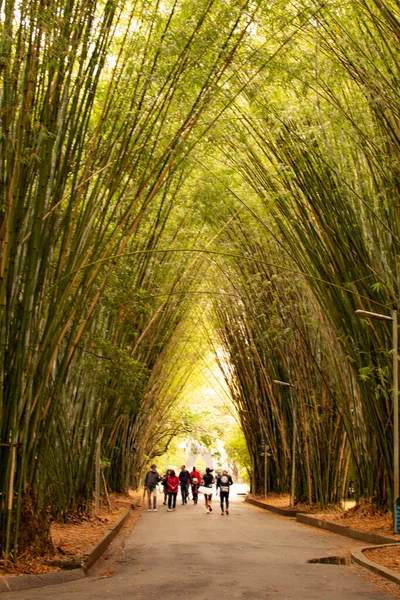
[(250, 554)]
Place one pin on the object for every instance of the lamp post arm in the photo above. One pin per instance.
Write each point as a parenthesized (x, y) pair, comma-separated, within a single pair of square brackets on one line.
[(372, 315), (284, 383)]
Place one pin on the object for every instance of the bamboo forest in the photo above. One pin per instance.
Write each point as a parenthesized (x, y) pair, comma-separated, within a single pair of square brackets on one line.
[(196, 187)]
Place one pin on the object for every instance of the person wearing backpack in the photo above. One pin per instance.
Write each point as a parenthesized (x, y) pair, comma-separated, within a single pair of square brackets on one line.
[(224, 483), (150, 484)]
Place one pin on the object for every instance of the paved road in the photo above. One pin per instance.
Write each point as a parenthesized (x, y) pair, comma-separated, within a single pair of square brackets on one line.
[(249, 554)]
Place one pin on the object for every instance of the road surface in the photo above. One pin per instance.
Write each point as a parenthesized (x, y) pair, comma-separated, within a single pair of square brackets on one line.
[(249, 554)]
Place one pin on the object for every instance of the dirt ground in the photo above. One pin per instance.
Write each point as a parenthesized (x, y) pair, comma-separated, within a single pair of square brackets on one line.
[(283, 501), (73, 539), (371, 523), (363, 516), (389, 557)]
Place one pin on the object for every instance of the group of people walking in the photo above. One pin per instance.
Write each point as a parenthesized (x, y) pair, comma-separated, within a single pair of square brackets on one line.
[(186, 481)]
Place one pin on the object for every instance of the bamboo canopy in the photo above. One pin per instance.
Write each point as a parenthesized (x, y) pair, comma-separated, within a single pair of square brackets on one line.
[(234, 160)]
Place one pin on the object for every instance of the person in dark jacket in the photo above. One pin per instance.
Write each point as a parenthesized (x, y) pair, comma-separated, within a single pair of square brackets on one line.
[(150, 484), (224, 483), (217, 476), (184, 478)]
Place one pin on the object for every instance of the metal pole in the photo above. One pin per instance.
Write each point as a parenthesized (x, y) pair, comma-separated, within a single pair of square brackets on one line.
[(294, 414), (293, 479), (265, 470), (97, 484), (395, 416)]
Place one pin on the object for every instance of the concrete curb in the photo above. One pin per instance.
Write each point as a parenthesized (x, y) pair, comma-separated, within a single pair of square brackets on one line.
[(358, 557), (25, 582), (94, 554), (355, 534), (285, 512)]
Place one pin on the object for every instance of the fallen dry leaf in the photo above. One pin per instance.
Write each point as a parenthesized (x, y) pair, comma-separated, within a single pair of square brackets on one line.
[(107, 573)]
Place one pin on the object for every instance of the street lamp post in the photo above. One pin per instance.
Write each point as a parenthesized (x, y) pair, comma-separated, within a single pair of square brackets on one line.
[(253, 472), (265, 469), (294, 414), (393, 319), (265, 454)]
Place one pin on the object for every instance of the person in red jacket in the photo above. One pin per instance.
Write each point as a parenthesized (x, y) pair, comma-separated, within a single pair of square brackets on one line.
[(173, 486), (195, 479)]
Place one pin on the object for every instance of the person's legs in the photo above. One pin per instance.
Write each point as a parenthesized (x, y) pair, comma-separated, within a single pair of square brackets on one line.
[(155, 499), (221, 501), (224, 498), (209, 502), (169, 500), (174, 500), (227, 502), (149, 492), (165, 496)]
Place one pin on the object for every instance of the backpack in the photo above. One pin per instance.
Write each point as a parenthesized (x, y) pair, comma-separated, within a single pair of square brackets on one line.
[(224, 483)]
